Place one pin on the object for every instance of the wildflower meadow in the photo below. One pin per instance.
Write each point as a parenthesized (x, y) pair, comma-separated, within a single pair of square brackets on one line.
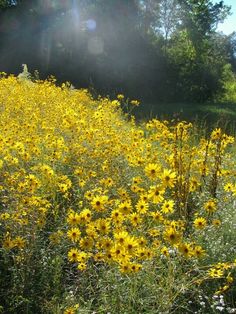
[(103, 214)]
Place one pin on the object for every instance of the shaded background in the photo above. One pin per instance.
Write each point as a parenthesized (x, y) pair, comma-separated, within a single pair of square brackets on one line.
[(153, 50)]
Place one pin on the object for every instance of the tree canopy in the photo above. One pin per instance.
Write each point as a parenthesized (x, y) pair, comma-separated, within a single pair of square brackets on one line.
[(162, 50)]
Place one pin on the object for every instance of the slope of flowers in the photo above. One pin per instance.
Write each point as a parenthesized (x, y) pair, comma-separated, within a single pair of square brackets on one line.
[(81, 181)]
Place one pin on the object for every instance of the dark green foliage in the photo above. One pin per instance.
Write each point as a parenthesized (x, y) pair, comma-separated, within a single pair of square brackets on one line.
[(4, 4), (165, 50)]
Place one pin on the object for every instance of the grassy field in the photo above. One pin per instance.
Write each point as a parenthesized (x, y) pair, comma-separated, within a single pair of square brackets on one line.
[(101, 214), (207, 115)]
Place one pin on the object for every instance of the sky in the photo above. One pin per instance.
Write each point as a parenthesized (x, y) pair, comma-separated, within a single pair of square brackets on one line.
[(230, 23)]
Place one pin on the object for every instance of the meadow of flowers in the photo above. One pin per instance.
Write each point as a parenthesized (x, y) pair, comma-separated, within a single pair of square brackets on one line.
[(101, 214)]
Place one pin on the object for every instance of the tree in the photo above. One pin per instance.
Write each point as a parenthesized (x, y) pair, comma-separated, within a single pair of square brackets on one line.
[(149, 11), (150, 49), (7, 3), (193, 50), (169, 17), (201, 17)]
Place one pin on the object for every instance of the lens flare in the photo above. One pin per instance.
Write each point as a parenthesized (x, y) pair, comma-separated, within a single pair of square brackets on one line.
[(91, 24)]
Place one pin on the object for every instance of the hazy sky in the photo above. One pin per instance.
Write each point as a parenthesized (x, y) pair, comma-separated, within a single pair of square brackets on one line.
[(230, 23)]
